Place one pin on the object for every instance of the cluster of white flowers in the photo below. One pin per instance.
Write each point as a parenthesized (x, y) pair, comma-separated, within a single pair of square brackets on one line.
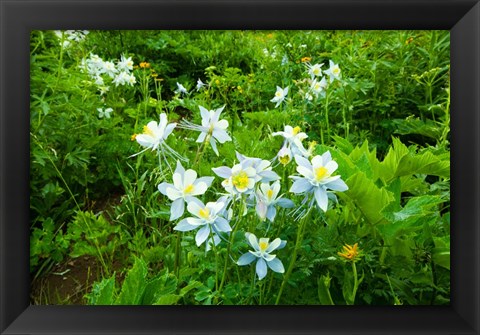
[(318, 79), (66, 37), (118, 72)]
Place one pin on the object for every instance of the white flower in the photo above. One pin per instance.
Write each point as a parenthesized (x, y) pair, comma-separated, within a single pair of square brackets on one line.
[(185, 186), (285, 155), (314, 70), (212, 129), (154, 134), (263, 168), (207, 218), (124, 78), (316, 177), (261, 252), (181, 89), (125, 64), (267, 199), (104, 113), (109, 69), (239, 179), (280, 95), (333, 72), (293, 139), (103, 89), (200, 84), (318, 87)]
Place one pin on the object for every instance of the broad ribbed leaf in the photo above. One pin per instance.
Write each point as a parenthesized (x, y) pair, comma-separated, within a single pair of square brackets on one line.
[(134, 284), (102, 292)]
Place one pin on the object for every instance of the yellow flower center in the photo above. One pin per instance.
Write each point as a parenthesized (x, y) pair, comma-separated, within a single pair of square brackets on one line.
[(134, 136), (148, 131), (263, 245), (189, 189), (269, 194), (336, 71), (320, 173), (278, 94), (296, 130), (204, 213), (316, 71), (285, 159), (240, 180)]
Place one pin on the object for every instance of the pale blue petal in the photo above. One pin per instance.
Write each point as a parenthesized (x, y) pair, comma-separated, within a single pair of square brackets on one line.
[(282, 245), (177, 209), (197, 201), (201, 137), (202, 235), (261, 268), (246, 259), (337, 185), (301, 185), (326, 157), (274, 245), (268, 176), (276, 265), (285, 203), (240, 157), (214, 145), (184, 226), (223, 171), (221, 135), (163, 187), (180, 169), (302, 161), (271, 212), (261, 210), (222, 225), (206, 180), (321, 198)]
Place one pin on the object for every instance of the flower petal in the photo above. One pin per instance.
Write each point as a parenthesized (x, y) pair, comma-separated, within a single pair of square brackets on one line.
[(172, 193), (177, 209), (337, 185), (301, 185), (202, 235), (321, 198), (246, 259), (183, 225), (214, 145), (221, 135), (223, 171), (189, 177), (162, 188), (276, 265), (252, 240), (261, 268), (222, 225)]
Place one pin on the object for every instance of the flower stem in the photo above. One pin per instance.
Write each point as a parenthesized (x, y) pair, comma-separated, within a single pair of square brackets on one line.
[(176, 265), (355, 282), (301, 230)]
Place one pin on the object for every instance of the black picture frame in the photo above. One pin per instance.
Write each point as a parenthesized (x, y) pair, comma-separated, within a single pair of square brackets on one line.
[(19, 17)]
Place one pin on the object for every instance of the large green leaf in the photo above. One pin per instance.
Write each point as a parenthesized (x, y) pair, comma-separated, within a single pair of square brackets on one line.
[(368, 197), (134, 284), (102, 292)]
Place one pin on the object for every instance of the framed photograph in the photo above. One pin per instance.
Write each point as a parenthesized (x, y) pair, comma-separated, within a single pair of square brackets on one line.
[(240, 167)]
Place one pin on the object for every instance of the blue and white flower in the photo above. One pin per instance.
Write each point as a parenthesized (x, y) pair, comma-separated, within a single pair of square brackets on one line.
[(319, 87), (262, 168), (181, 89), (333, 71), (185, 186), (280, 95), (267, 199), (317, 177), (207, 220), (240, 179), (262, 250), (212, 129), (293, 139), (200, 84), (104, 113), (125, 64), (314, 70)]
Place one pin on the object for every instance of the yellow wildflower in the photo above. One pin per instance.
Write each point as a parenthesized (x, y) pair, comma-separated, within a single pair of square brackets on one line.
[(306, 59), (350, 253)]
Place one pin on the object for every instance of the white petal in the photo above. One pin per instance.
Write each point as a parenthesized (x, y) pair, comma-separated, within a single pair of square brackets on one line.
[(331, 167), (195, 222), (274, 245), (206, 180), (222, 225), (261, 209), (177, 181), (221, 135), (195, 206), (168, 130), (302, 161), (163, 187), (202, 235), (205, 115), (223, 171), (177, 209), (261, 269), (199, 188), (145, 140), (306, 172), (214, 145), (201, 137), (337, 185), (317, 161), (321, 198), (179, 169), (189, 177), (252, 240), (222, 124), (172, 193)]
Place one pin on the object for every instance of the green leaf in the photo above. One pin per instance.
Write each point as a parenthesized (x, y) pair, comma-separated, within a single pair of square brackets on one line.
[(102, 292), (168, 299), (369, 198), (134, 284), (324, 296)]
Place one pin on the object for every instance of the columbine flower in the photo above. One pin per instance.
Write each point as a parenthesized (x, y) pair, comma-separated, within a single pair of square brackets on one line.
[(317, 178), (318, 87), (293, 138), (284, 155), (314, 70), (280, 95), (125, 64), (109, 69), (350, 253), (200, 84), (267, 199), (181, 89), (333, 72), (263, 168), (154, 136), (239, 179), (185, 186), (104, 113), (212, 129), (207, 219), (261, 252)]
